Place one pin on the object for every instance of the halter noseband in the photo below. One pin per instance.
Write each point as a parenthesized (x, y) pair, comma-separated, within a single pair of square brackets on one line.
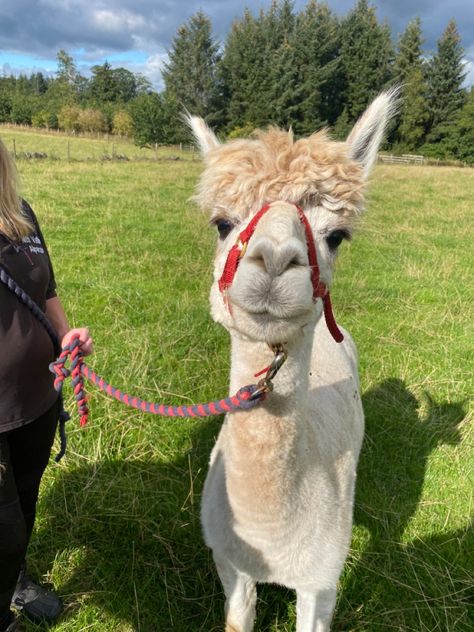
[(320, 289)]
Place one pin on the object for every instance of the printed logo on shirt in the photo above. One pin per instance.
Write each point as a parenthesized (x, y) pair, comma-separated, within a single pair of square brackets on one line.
[(34, 244)]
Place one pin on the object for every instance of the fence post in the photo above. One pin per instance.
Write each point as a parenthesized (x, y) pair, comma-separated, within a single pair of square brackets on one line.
[(14, 149)]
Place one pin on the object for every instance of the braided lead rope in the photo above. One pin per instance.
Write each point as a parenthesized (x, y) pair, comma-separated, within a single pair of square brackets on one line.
[(242, 400), (24, 298)]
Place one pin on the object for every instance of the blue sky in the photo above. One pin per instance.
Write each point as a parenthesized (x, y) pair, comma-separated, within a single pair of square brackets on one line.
[(136, 34)]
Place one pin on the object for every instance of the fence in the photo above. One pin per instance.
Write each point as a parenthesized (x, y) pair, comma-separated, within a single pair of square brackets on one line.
[(24, 145), (407, 159)]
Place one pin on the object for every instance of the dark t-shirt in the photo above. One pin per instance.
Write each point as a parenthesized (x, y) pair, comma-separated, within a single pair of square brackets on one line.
[(26, 384)]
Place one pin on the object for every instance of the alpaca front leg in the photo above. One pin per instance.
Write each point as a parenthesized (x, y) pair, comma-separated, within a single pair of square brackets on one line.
[(314, 610), (241, 596)]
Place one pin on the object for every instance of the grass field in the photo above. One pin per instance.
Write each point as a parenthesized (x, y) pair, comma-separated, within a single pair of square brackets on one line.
[(55, 145), (118, 523)]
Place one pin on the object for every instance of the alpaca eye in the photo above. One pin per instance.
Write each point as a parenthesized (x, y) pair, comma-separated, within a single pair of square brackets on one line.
[(224, 226), (334, 238)]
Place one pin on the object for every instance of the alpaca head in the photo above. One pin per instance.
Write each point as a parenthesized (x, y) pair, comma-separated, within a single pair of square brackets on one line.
[(271, 295)]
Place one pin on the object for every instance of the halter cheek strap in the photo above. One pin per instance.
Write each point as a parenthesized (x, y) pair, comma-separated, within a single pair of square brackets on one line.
[(320, 290)]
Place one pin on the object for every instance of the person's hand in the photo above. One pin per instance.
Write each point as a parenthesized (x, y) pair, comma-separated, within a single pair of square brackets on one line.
[(84, 338)]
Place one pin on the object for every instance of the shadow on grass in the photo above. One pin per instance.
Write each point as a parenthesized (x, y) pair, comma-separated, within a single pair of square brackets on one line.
[(129, 534), (130, 537), (419, 585)]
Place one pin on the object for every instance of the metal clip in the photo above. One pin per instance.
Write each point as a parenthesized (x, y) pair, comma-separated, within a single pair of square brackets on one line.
[(265, 385)]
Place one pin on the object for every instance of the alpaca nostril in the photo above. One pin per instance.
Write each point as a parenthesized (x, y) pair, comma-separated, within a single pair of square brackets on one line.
[(296, 261), (277, 258)]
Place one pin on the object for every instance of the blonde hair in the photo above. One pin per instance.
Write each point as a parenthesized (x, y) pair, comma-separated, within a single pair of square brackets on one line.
[(13, 222)]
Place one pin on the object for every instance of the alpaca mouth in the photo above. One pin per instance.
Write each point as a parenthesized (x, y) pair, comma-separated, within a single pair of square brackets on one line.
[(268, 307), (284, 298), (279, 313), (266, 326), (272, 304)]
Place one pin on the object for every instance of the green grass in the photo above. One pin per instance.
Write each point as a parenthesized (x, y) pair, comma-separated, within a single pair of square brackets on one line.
[(118, 522)]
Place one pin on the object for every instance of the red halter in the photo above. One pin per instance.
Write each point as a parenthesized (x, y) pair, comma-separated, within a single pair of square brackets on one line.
[(320, 289)]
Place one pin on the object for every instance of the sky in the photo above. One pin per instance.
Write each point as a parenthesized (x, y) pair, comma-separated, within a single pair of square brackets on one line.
[(136, 34)]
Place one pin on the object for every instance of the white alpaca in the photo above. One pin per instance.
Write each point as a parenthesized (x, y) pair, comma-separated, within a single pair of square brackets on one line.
[(277, 502)]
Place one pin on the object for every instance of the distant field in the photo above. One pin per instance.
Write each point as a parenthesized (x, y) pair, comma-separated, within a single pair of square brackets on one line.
[(118, 525), (59, 146)]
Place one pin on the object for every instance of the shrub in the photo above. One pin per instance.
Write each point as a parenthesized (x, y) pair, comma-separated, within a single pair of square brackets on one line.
[(122, 124), (93, 121), (243, 131), (68, 118), (44, 118)]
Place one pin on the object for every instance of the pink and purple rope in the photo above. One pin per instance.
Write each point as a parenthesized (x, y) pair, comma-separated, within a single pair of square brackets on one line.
[(242, 400)]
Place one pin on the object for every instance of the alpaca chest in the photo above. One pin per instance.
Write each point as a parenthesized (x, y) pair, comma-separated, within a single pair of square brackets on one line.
[(281, 538)]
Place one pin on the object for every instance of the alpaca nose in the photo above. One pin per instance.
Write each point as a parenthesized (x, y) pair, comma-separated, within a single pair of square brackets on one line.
[(277, 255)]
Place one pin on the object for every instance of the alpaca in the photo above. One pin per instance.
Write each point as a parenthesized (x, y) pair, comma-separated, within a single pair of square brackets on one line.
[(278, 498)]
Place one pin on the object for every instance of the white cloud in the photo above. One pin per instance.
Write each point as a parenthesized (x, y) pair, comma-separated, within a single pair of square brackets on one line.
[(118, 21), (153, 69), (469, 68)]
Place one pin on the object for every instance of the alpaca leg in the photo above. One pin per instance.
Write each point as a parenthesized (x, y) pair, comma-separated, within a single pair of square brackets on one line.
[(241, 596), (314, 610)]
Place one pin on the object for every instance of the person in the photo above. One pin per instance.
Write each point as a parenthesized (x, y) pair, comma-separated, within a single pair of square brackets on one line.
[(29, 406)]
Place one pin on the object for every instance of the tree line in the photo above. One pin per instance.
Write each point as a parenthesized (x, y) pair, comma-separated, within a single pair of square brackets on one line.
[(304, 69)]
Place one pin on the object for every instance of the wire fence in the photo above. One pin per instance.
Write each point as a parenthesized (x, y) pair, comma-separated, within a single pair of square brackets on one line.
[(26, 143), (112, 152)]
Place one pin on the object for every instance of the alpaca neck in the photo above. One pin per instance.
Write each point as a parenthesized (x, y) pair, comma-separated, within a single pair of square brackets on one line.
[(282, 407), (262, 444), (291, 383)]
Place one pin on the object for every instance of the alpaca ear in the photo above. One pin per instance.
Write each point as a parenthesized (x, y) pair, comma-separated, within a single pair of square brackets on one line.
[(366, 135), (205, 137)]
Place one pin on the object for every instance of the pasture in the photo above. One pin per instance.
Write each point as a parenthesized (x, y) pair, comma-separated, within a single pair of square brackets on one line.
[(118, 530)]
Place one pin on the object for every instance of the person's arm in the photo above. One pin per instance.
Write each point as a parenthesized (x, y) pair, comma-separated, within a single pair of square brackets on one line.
[(57, 316)]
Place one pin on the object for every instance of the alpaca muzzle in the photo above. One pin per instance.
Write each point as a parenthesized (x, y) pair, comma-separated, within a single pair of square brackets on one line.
[(320, 289)]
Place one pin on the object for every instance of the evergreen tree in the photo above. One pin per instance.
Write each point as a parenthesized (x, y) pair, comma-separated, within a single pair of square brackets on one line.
[(445, 77), (409, 52), (413, 111), (103, 85), (190, 75), (317, 58), (39, 83), (367, 57), (5, 105), (260, 75), (464, 132), (281, 87), (243, 71), (409, 74)]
